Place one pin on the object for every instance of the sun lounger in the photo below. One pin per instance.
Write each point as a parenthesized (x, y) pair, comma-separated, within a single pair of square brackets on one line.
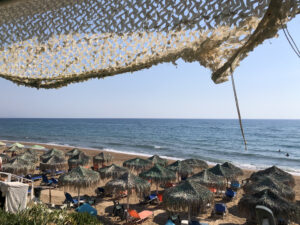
[(230, 193), (220, 209), (195, 222), (70, 199), (87, 208), (175, 218), (45, 180), (54, 181), (160, 198), (136, 217), (264, 215), (149, 199), (235, 185), (170, 222), (34, 177)]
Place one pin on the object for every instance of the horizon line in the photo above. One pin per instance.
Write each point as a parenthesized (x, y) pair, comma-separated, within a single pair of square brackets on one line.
[(150, 118)]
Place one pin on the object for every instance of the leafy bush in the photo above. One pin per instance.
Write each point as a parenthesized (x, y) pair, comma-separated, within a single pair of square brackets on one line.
[(41, 215)]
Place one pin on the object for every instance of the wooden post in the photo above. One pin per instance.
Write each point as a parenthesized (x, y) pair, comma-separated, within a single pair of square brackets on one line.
[(78, 196)]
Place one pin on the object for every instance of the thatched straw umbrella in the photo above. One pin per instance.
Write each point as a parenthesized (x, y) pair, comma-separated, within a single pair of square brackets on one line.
[(279, 206), (209, 179), (78, 178), (28, 157), (128, 182), (196, 163), (73, 152), (19, 166), (189, 196), (159, 175), (53, 163), (37, 147), (275, 173), (223, 172), (276, 187), (52, 152), (112, 171), (78, 160), (13, 149), (138, 164), (2, 144), (234, 169), (102, 157), (155, 159), (18, 145), (180, 168), (5, 158)]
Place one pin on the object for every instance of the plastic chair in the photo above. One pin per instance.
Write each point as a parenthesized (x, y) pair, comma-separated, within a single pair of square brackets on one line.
[(220, 209), (45, 180), (230, 193), (264, 215)]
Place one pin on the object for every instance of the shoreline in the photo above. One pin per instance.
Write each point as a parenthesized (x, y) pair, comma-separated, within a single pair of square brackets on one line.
[(130, 154)]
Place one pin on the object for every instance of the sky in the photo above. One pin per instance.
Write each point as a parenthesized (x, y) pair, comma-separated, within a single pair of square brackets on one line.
[(267, 84)]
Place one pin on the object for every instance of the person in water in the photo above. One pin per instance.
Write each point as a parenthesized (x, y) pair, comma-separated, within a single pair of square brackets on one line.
[(279, 150), (287, 154)]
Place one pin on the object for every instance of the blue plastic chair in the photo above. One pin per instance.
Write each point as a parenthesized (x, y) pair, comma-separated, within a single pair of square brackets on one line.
[(220, 208), (54, 181), (70, 199), (87, 208), (45, 180), (169, 222), (152, 197), (235, 185), (230, 193)]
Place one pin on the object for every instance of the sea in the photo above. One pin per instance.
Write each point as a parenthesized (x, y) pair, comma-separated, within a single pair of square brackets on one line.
[(213, 140)]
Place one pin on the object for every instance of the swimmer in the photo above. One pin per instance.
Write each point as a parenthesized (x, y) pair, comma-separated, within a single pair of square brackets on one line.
[(287, 154)]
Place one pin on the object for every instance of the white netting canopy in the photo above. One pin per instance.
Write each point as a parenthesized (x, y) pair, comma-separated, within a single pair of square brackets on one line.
[(51, 43)]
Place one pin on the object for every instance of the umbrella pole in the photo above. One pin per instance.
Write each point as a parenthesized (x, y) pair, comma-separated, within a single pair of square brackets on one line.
[(189, 213), (156, 188), (50, 197), (78, 196), (127, 200)]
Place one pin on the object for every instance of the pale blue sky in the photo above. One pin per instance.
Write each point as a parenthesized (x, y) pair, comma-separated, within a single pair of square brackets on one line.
[(267, 82)]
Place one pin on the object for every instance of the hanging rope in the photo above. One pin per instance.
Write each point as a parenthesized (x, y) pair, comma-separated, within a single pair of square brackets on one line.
[(290, 40), (238, 108)]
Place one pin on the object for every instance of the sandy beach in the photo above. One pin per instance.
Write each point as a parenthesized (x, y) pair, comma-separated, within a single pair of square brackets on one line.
[(104, 205)]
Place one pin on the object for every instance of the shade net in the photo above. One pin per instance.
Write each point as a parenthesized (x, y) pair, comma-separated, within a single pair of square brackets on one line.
[(51, 43)]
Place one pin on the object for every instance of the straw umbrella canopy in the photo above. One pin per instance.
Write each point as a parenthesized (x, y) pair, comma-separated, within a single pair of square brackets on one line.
[(102, 157), (189, 196), (263, 183), (209, 179), (159, 175), (196, 163), (78, 178), (279, 206), (13, 149), (53, 163), (155, 159), (18, 145), (2, 143), (52, 152), (78, 160), (5, 157), (28, 157), (18, 166), (223, 172), (234, 169), (180, 168), (276, 174), (112, 171), (138, 164), (73, 152), (37, 147), (128, 182)]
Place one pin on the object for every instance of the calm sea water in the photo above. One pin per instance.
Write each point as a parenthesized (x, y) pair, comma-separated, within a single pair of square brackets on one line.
[(212, 140)]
